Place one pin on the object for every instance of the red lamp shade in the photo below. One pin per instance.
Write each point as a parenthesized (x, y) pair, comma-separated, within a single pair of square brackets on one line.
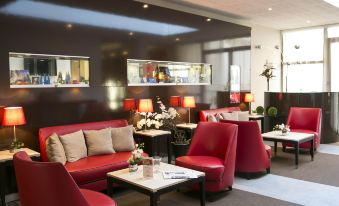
[(145, 105), (188, 102), (129, 104), (13, 116), (249, 97), (175, 101)]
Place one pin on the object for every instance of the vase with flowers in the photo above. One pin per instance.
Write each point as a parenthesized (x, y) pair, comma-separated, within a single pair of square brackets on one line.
[(284, 129), (135, 158)]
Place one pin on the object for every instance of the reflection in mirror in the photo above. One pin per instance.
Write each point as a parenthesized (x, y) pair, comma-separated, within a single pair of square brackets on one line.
[(235, 84), (41, 70), (150, 72)]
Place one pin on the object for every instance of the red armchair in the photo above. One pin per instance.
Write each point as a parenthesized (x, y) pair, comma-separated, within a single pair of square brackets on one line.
[(306, 120), (213, 151), (42, 184), (252, 154)]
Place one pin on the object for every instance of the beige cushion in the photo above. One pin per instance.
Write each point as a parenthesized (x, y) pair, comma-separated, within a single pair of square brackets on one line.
[(243, 116), (122, 138), (74, 145), (230, 116), (211, 118), (99, 141), (54, 149), (218, 117)]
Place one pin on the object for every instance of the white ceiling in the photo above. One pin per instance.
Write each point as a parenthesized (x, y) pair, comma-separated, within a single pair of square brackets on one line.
[(285, 14)]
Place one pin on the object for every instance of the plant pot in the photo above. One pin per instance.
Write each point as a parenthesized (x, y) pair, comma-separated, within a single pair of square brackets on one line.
[(180, 149)]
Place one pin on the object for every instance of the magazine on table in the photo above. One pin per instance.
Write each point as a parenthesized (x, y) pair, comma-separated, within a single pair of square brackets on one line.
[(179, 175)]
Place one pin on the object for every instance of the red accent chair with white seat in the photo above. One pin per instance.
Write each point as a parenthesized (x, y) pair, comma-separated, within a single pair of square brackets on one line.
[(305, 120), (252, 154), (213, 151), (47, 183)]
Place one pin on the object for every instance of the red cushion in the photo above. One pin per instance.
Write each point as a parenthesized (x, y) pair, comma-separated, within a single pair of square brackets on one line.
[(95, 168), (97, 198), (212, 166)]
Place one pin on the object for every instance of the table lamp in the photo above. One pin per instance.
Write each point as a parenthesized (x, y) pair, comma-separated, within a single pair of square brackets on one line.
[(175, 101), (129, 104), (188, 102), (145, 105), (249, 98), (14, 116)]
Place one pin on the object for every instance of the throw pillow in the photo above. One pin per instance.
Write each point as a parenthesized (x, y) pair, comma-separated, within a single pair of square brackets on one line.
[(122, 139), (230, 116), (243, 116), (99, 142), (74, 145), (218, 117), (211, 118), (54, 149)]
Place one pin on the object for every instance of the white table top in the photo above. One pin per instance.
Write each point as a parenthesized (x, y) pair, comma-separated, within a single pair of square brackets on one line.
[(255, 116), (5, 155), (187, 126), (152, 132), (293, 136), (155, 183)]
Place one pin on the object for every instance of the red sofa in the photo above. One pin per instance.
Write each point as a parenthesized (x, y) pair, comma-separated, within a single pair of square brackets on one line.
[(89, 172), (215, 157), (252, 154), (204, 113)]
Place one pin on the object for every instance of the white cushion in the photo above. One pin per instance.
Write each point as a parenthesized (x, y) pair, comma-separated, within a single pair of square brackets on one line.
[(54, 149), (218, 117), (122, 138), (211, 118), (99, 142), (243, 116), (74, 145), (230, 116)]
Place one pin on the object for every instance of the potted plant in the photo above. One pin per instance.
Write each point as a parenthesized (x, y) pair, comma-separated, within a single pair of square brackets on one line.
[(268, 73), (260, 110), (135, 158)]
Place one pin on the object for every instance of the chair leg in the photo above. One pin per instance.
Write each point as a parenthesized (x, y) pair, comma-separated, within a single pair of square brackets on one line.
[(230, 188), (268, 170), (248, 176)]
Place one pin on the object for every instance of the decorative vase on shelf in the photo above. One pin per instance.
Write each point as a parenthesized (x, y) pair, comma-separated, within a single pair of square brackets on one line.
[(133, 168)]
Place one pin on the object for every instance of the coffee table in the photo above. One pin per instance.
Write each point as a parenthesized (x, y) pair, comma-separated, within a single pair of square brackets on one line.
[(157, 185), (295, 138)]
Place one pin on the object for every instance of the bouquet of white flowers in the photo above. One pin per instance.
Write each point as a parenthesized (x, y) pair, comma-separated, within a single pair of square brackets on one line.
[(283, 128), (136, 156)]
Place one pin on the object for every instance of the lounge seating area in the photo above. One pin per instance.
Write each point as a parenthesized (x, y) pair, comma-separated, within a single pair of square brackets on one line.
[(169, 103)]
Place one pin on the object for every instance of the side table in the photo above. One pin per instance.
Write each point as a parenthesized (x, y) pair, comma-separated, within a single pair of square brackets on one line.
[(6, 159), (149, 137), (258, 117), (188, 128)]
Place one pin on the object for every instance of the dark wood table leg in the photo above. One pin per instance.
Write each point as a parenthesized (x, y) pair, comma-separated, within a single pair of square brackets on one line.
[(154, 199), (202, 191), (109, 186), (3, 183), (296, 152), (275, 148), (312, 149), (169, 151), (262, 125)]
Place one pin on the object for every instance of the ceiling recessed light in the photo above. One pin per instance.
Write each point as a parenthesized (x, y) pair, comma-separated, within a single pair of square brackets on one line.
[(177, 39), (145, 6), (308, 21), (131, 33), (270, 9), (208, 19)]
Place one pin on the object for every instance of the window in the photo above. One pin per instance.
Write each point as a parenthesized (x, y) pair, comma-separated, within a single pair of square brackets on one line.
[(303, 58), (333, 39)]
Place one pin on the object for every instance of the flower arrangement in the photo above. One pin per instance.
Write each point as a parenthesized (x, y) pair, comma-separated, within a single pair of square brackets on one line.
[(136, 156), (283, 128), (268, 73)]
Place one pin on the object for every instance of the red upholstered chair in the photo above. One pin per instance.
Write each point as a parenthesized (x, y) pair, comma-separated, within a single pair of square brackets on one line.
[(252, 154), (306, 120), (213, 151), (47, 183)]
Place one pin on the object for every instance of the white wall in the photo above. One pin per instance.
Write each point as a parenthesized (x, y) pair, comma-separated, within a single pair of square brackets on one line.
[(267, 38)]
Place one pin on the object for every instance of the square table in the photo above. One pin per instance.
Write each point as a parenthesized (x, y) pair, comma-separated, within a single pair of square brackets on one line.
[(258, 117), (157, 185), (149, 138), (295, 138)]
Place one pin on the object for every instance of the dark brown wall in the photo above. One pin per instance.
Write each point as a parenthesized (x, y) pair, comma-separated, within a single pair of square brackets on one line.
[(108, 75)]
